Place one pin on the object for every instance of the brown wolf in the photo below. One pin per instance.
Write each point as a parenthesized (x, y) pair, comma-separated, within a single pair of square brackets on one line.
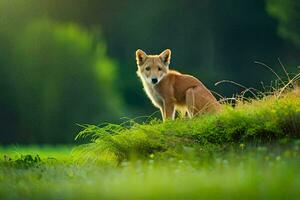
[(170, 90)]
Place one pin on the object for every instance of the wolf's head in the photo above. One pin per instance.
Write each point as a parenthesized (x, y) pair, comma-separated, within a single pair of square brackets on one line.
[(152, 68)]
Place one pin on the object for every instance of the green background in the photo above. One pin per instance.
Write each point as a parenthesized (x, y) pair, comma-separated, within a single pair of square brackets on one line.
[(64, 62)]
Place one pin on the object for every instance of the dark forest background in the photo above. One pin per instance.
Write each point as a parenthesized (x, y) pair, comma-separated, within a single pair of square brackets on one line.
[(64, 62)]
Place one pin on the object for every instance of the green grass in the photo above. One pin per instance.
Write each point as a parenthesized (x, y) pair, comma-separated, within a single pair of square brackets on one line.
[(44, 151), (263, 172), (267, 120), (249, 152)]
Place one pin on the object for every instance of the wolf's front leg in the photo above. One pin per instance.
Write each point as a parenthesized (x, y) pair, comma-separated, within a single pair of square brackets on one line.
[(169, 110), (162, 111)]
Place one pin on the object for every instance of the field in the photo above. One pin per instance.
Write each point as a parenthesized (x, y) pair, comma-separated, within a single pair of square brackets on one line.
[(263, 172), (249, 152)]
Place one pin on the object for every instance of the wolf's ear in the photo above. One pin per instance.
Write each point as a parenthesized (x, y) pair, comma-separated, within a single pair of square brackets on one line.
[(165, 56), (141, 56)]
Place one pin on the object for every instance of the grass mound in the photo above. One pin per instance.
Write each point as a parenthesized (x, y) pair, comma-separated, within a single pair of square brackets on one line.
[(271, 118)]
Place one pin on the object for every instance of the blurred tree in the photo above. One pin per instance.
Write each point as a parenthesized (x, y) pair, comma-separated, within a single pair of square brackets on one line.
[(8, 117), (288, 15), (60, 76)]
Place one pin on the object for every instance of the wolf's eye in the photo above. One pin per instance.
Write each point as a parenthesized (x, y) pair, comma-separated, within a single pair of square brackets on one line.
[(147, 68), (159, 69)]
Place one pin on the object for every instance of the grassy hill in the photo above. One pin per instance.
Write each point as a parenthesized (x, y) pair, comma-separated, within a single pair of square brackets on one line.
[(273, 118), (251, 151)]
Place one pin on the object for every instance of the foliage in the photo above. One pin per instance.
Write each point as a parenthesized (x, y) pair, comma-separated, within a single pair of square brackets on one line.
[(25, 161), (259, 121), (287, 14), (61, 73)]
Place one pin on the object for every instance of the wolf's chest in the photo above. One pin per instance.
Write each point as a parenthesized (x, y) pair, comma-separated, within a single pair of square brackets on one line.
[(154, 95)]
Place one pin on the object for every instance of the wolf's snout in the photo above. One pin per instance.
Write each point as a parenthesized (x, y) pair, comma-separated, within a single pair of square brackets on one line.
[(154, 80)]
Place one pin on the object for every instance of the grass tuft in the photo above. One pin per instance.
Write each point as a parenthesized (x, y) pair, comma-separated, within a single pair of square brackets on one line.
[(23, 162), (265, 120)]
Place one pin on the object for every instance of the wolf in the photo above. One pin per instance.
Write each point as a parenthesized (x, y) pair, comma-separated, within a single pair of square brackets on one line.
[(172, 91)]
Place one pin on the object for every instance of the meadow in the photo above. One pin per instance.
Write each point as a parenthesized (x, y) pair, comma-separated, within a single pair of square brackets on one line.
[(260, 172), (67, 66), (251, 151)]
